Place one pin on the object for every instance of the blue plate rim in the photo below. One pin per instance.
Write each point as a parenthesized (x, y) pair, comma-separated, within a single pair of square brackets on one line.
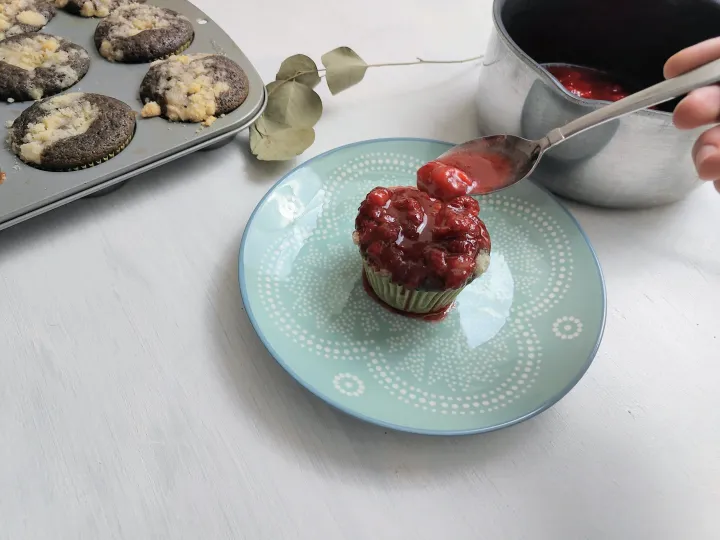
[(330, 401)]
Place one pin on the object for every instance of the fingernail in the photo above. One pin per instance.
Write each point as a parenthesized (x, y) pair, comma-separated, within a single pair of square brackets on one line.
[(704, 153)]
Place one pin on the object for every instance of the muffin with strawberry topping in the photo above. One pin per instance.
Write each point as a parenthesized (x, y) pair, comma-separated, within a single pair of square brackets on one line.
[(420, 252)]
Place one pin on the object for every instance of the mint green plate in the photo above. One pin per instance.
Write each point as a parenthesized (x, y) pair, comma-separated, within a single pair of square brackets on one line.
[(519, 338)]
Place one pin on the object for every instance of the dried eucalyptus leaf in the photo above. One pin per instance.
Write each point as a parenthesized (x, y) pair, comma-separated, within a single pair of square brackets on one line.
[(293, 104), (265, 126), (299, 63), (344, 68), (272, 141)]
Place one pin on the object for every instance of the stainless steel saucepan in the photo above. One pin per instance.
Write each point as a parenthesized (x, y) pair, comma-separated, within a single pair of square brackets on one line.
[(639, 160)]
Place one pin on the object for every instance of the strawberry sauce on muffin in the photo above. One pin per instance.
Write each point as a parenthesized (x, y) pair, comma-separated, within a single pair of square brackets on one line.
[(418, 251)]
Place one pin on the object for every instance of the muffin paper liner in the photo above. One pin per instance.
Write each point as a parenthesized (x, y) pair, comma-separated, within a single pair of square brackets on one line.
[(403, 299), (81, 167)]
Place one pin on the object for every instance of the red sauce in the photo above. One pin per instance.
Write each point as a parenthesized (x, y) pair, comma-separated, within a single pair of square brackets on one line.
[(420, 240), (435, 316), (464, 172), (588, 83)]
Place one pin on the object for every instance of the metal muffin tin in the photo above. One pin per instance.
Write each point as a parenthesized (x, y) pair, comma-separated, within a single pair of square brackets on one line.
[(28, 192)]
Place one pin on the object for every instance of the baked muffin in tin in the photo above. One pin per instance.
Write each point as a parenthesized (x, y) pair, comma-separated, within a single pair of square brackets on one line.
[(36, 65), (21, 16), (193, 88), (142, 33), (93, 8), (72, 131)]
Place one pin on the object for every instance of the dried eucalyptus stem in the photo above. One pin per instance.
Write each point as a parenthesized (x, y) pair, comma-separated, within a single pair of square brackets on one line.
[(285, 129)]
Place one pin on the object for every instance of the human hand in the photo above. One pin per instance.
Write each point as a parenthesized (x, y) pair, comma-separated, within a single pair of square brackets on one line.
[(699, 108)]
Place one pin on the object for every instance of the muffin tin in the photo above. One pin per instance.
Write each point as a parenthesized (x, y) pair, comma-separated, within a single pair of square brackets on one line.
[(28, 192)]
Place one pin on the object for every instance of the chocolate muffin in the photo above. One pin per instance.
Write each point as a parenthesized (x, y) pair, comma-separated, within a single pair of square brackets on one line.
[(142, 33), (72, 131), (93, 8), (193, 88), (20, 16), (36, 65)]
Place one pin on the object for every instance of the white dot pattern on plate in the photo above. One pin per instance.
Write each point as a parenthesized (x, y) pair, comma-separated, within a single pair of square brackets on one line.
[(567, 327), (349, 384), (324, 310)]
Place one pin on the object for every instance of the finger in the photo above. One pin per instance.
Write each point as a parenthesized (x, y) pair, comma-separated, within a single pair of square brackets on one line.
[(706, 154), (717, 185), (698, 108), (692, 57)]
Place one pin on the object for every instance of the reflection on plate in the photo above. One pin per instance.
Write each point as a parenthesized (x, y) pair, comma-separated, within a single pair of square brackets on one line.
[(518, 339)]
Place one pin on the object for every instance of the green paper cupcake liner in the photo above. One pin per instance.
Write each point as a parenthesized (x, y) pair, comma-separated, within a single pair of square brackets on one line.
[(403, 299)]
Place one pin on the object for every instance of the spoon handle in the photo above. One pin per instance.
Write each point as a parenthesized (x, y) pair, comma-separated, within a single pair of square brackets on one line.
[(659, 93)]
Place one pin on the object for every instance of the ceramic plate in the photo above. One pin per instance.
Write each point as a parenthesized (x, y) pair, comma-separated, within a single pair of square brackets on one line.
[(519, 338)]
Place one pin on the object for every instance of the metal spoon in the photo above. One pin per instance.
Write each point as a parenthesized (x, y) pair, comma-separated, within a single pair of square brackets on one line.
[(524, 155)]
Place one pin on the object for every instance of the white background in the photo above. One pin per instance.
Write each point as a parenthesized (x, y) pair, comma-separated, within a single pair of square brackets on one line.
[(137, 402)]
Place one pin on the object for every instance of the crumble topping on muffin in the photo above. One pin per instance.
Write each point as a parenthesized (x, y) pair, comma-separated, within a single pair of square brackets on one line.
[(21, 16), (193, 88), (71, 131), (35, 65), (92, 8), (142, 33)]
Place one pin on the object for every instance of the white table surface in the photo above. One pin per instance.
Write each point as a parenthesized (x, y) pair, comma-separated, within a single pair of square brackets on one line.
[(137, 402)]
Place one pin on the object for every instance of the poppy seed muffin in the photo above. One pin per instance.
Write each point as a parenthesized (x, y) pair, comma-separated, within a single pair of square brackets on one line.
[(21, 16), (93, 8), (193, 88), (142, 33), (36, 65), (72, 131)]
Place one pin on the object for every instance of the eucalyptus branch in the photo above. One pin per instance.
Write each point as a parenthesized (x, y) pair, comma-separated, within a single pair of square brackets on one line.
[(285, 129), (422, 61)]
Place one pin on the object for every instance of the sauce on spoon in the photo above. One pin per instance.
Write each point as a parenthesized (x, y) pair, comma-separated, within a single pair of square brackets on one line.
[(464, 172)]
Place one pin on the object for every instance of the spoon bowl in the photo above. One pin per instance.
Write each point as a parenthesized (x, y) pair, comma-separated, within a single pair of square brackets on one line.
[(522, 156)]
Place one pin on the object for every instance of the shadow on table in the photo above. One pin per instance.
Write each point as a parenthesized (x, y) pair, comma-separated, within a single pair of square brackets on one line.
[(82, 212), (262, 172), (669, 232)]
